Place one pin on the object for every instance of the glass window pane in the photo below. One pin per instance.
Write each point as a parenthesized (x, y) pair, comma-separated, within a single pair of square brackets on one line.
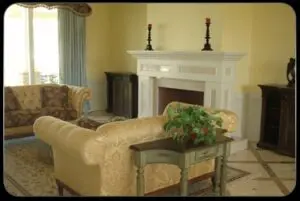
[(45, 34), (15, 58), (17, 47)]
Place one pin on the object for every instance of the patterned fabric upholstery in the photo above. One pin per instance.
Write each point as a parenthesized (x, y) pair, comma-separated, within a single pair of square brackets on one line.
[(27, 117), (80, 9), (55, 96), (101, 160), (66, 114), (21, 118), (93, 125), (28, 105), (11, 101), (89, 123)]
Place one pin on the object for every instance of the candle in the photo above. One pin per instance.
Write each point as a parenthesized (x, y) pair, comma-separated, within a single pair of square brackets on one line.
[(207, 20)]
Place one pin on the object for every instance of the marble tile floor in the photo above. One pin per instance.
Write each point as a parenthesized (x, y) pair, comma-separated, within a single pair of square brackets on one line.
[(270, 174)]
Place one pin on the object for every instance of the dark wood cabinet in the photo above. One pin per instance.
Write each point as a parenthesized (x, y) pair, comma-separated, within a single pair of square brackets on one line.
[(278, 119), (122, 94)]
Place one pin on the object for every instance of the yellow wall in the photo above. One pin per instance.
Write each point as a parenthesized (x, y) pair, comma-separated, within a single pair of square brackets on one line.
[(182, 27), (265, 32), (111, 30), (236, 37), (178, 26), (128, 32), (273, 43), (97, 54)]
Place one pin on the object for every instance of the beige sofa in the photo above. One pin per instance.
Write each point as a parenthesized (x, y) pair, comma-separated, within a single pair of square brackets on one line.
[(24, 104), (99, 163)]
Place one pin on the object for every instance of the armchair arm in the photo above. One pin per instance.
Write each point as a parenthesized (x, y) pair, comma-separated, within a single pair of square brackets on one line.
[(76, 141), (77, 97)]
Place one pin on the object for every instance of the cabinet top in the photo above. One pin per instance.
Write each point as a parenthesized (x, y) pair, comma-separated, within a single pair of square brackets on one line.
[(120, 73), (278, 86)]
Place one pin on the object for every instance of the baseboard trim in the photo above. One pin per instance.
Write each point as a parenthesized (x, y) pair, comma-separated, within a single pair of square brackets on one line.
[(238, 145), (247, 106)]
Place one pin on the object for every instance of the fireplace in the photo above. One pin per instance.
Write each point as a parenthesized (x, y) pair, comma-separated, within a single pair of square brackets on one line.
[(212, 73), (167, 95), (166, 76)]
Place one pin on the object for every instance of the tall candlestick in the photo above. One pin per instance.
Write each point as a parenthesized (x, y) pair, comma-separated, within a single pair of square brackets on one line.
[(149, 46), (207, 46)]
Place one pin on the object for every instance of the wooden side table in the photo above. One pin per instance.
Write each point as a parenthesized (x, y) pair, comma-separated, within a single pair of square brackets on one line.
[(170, 152)]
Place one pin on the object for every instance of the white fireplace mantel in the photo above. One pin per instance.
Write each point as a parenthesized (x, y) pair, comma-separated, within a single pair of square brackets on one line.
[(187, 55), (210, 72)]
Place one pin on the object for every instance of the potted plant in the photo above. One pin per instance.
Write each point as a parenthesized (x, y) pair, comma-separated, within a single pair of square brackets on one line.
[(192, 124)]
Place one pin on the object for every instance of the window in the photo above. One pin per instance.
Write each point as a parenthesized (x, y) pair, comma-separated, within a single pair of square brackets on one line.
[(30, 46)]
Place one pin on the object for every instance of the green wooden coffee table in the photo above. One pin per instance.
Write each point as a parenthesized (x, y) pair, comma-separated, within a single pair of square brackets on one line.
[(169, 152)]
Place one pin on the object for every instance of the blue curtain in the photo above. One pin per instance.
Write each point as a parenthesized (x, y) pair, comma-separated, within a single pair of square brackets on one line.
[(71, 34)]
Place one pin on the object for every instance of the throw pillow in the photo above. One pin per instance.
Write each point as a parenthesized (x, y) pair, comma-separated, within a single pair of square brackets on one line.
[(88, 123), (11, 101), (55, 96)]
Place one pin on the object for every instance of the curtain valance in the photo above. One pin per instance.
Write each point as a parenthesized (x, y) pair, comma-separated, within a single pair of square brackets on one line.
[(81, 9)]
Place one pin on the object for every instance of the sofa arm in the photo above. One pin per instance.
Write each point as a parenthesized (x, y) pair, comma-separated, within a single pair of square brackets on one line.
[(77, 97), (71, 139)]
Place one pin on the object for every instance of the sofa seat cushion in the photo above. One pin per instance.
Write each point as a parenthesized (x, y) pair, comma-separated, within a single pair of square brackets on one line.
[(65, 114), (21, 118), (11, 101), (55, 96)]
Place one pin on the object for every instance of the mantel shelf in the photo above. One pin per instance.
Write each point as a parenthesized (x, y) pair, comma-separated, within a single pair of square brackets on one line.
[(191, 55)]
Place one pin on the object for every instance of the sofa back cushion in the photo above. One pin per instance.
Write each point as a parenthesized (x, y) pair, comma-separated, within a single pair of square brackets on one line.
[(11, 101), (55, 96), (29, 96)]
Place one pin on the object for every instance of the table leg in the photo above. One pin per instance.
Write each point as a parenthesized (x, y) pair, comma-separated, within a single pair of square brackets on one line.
[(216, 177), (184, 182), (140, 181), (224, 170)]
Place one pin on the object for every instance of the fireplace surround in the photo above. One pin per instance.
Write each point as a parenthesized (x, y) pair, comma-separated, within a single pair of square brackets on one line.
[(212, 73)]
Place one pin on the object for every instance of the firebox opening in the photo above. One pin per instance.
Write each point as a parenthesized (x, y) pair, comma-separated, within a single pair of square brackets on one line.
[(167, 95)]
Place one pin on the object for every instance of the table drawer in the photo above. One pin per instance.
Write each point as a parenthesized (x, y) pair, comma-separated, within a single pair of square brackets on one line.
[(162, 156), (205, 154)]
